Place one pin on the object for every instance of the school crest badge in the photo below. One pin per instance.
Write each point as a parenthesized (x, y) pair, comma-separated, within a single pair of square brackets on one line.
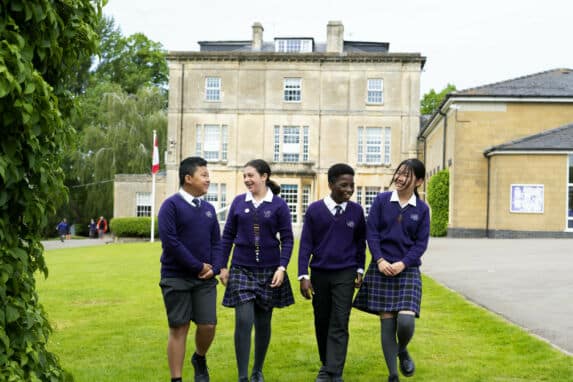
[(350, 223), (267, 214), (415, 217), (209, 214)]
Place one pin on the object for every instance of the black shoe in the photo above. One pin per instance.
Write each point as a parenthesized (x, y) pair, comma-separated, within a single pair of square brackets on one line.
[(407, 366), (200, 366), (393, 378), (322, 376), (257, 376), (337, 378)]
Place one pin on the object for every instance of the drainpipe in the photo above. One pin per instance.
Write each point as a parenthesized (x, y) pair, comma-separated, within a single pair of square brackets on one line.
[(488, 196), (178, 160)]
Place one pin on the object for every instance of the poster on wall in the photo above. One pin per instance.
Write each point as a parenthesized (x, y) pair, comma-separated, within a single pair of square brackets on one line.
[(526, 198)]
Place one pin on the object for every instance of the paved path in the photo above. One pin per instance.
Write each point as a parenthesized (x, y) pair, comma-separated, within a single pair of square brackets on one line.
[(74, 243), (527, 281)]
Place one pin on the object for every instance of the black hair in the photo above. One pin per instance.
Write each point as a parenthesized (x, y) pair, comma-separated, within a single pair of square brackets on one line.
[(188, 166), (337, 170), (262, 168), (413, 167)]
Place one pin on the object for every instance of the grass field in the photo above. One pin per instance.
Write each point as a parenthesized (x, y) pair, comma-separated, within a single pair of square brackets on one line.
[(109, 325)]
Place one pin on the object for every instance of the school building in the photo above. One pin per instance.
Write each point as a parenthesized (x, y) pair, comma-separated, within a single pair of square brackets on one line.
[(509, 150), (299, 104)]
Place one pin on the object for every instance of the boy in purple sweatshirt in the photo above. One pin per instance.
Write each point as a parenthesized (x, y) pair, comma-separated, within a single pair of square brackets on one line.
[(191, 258), (333, 243)]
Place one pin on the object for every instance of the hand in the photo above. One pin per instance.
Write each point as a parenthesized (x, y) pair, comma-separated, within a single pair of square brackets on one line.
[(278, 278), (206, 272), (398, 267), (306, 289), (224, 276), (358, 280), (386, 268)]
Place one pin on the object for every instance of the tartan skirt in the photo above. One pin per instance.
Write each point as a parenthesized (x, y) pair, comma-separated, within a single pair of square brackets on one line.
[(247, 284), (380, 293)]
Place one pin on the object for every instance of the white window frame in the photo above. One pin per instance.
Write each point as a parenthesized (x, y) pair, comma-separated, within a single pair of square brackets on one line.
[(305, 198), (292, 89), (212, 89), (293, 45), (289, 192), (217, 196), (291, 143), (142, 204), (211, 142), (375, 91), (374, 145)]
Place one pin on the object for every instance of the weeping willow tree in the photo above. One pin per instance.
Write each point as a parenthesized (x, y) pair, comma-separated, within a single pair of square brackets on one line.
[(118, 140)]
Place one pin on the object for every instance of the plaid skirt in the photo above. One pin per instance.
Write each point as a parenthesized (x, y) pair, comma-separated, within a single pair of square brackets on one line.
[(380, 293), (247, 284)]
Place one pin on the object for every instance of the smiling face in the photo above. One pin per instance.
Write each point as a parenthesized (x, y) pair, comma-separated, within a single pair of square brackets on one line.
[(255, 182), (197, 184), (405, 181), (342, 189)]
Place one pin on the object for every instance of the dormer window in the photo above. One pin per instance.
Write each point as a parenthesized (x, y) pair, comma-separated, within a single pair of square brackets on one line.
[(293, 45)]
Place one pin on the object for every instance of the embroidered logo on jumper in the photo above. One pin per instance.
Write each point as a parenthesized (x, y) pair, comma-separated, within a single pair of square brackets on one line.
[(350, 224), (415, 217), (209, 214), (267, 214), (247, 210)]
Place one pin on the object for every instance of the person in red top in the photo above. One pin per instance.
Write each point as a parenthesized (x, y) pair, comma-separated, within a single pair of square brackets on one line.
[(101, 227)]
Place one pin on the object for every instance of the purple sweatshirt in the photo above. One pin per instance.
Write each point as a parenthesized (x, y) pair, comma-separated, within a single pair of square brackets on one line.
[(273, 218), (334, 242), (190, 236), (398, 234)]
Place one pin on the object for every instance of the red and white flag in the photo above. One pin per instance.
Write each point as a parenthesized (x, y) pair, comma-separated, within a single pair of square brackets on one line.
[(155, 162)]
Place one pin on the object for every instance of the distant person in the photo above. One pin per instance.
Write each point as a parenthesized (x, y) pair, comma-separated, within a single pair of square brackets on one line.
[(333, 243), (191, 242), (101, 227), (63, 228), (398, 230), (92, 229), (259, 231)]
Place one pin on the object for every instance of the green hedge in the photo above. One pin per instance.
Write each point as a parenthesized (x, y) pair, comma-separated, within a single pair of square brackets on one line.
[(439, 200), (132, 227)]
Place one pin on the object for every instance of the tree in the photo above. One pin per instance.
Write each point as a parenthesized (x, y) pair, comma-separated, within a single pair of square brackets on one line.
[(132, 62), (439, 201), (42, 45), (432, 100)]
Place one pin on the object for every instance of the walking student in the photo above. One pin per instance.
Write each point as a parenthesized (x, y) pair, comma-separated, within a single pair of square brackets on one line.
[(190, 238), (398, 230), (259, 230), (333, 243)]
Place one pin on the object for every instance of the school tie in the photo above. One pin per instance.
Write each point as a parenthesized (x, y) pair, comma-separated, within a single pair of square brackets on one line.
[(338, 209), (196, 202)]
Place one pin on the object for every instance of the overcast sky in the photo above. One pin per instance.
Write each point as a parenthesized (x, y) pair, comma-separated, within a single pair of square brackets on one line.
[(466, 43)]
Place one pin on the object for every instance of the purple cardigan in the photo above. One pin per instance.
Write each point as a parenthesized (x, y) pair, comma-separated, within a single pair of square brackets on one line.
[(272, 218), (334, 242), (190, 236), (398, 234)]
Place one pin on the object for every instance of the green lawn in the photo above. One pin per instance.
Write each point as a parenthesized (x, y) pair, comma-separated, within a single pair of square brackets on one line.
[(109, 325)]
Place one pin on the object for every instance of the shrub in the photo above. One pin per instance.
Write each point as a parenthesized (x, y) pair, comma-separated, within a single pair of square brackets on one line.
[(439, 200), (132, 227)]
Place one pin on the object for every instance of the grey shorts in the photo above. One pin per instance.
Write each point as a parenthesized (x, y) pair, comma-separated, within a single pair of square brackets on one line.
[(189, 300)]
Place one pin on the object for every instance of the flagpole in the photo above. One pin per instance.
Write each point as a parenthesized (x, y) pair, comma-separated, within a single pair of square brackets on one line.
[(153, 193)]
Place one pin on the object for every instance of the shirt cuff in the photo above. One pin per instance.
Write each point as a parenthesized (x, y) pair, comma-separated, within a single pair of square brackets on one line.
[(281, 268), (303, 277), (360, 270)]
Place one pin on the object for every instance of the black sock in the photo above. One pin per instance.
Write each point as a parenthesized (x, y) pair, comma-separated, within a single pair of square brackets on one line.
[(244, 319), (389, 344), (199, 357), (405, 324), (177, 379), (262, 336)]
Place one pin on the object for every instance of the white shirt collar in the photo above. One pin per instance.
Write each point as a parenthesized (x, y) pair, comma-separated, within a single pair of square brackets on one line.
[(395, 198), (268, 198), (187, 196), (331, 204)]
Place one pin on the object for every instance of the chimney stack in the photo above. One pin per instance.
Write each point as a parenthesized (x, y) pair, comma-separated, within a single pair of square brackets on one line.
[(334, 37), (257, 37)]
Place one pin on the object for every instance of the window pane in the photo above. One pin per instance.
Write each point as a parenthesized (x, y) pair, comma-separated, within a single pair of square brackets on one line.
[(212, 142), (289, 192), (375, 91), (212, 88), (292, 89), (570, 168), (369, 197), (143, 203)]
